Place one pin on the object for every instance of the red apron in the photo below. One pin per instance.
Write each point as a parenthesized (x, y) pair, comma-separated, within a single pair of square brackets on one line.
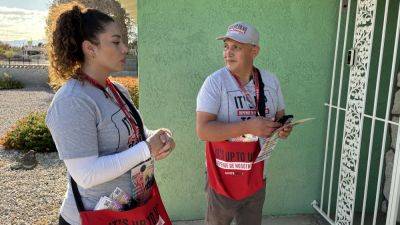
[(231, 169), (151, 213)]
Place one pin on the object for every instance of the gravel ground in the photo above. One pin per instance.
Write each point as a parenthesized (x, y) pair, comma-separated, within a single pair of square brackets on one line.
[(16, 104), (33, 196)]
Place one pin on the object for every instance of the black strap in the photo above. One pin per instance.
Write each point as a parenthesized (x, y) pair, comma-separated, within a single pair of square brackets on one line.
[(77, 196), (261, 101), (138, 119)]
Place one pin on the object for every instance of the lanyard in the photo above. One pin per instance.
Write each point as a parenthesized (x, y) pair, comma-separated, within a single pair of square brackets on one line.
[(95, 83), (136, 134), (246, 94)]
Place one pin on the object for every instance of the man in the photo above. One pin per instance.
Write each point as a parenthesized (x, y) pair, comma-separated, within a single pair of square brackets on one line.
[(236, 105)]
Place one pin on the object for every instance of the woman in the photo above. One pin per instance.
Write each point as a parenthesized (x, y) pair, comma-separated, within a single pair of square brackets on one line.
[(97, 131)]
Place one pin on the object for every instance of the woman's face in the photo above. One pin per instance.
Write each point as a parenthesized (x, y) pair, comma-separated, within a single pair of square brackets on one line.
[(110, 53)]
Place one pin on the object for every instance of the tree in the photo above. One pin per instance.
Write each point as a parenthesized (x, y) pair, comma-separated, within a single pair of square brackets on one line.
[(132, 38), (9, 54), (4, 46)]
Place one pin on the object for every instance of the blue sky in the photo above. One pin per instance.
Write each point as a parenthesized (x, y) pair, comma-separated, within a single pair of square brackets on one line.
[(23, 19)]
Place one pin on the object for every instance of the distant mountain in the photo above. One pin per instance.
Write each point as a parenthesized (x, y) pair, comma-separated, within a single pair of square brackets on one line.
[(19, 43)]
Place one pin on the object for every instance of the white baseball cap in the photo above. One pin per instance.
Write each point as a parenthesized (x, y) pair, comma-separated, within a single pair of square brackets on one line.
[(242, 32)]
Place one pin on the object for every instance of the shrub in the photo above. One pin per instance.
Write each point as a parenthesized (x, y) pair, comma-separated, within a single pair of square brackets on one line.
[(132, 85), (7, 82), (28, 133)]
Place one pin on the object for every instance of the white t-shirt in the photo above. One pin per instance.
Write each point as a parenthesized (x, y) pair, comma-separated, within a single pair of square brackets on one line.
[(220, 95)]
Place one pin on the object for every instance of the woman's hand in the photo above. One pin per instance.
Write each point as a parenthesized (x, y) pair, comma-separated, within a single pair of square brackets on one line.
[(161, 143), (169, 144), (156, 142)]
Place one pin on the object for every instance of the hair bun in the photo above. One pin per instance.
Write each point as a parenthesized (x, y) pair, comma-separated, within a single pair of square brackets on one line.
[(77, 11)]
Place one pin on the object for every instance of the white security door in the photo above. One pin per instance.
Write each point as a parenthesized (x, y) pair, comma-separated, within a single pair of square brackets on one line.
[(355, 60)]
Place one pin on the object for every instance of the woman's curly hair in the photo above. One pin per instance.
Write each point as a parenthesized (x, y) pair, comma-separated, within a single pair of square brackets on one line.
[(69, 25)]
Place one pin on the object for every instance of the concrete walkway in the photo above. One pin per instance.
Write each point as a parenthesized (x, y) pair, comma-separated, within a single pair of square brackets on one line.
[(308, 219)]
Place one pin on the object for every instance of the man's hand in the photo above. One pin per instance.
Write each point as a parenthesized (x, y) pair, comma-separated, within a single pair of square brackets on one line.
[(261, 126), (285, 132)]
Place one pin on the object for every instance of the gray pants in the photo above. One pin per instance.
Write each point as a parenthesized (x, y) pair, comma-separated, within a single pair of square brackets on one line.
[(222, 210)]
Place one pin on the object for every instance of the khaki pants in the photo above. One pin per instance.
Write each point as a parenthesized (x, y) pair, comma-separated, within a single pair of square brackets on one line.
[(222, 210)]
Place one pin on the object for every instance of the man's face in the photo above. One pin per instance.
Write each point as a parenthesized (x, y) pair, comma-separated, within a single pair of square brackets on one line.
[(239, 56)]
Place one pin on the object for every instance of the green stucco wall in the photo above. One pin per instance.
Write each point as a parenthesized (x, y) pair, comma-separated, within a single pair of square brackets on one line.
[(178, 50)]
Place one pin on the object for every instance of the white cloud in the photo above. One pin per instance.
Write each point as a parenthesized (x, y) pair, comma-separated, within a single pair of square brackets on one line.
[(17, 23)]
